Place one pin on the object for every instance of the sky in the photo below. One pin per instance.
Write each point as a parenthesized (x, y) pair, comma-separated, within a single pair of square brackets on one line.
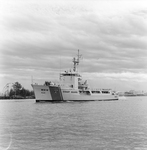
[(38, 40)]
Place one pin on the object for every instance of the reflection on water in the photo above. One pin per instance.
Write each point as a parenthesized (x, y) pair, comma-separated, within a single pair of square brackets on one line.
[(95, 125), (5, 138)]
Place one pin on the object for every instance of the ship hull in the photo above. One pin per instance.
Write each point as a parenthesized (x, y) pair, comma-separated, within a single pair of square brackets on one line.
[(56, 94)]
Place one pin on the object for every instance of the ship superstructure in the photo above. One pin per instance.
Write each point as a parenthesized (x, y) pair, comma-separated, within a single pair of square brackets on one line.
[(71, 88)]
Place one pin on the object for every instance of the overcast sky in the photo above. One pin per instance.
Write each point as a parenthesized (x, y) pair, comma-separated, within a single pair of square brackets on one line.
[(38, 38)]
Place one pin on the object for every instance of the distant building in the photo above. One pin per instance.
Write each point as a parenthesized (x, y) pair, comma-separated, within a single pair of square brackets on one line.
[(132, 93)]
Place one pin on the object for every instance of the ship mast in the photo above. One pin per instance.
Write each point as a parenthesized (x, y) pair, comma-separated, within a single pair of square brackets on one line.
[(76, 61)]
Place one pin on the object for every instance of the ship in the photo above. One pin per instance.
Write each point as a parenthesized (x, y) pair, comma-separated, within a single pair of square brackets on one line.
[(71, 87)]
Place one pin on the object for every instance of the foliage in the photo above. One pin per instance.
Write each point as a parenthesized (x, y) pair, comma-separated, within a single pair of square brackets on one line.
[(17, 86), (18, 91)]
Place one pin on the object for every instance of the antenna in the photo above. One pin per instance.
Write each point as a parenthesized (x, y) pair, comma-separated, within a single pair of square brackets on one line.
[(60, 71), (76, 61), (32, 79), (79, 56)]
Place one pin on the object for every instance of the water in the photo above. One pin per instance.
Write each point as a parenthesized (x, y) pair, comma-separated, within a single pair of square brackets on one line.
[(98, 125)]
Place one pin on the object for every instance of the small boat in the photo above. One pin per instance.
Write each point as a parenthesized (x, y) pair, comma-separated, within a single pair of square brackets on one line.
[(71, 87)]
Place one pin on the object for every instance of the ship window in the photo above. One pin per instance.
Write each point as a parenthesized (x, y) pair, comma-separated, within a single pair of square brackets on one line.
[(105, 92), (87, 92), (74, 92), (44, 89), (96, 92), (66, 91), (68, 74)]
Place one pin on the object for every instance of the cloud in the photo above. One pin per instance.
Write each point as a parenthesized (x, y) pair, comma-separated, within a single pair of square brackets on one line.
[(42, 37), (124, 81)]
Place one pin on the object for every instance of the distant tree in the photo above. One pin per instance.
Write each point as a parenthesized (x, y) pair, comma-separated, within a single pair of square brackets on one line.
[(19, 91), (17, 87), (22, 92), (12, 93)]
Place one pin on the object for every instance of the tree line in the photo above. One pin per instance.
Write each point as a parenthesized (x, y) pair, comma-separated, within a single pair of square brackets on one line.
[(18, 92)]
